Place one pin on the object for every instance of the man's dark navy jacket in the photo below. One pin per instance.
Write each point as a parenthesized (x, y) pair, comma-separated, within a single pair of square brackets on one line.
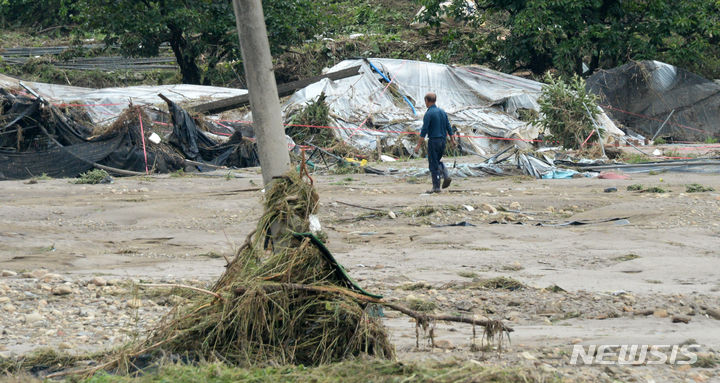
[(435, 123)]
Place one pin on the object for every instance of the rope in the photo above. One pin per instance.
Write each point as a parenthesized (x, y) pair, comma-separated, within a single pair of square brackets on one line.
[(587, 139), (142, 134)]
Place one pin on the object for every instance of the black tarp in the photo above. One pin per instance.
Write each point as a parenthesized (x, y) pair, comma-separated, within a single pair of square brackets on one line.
[(161, 158), (38, 138), (197, 146), (67, 161), (641, 95)]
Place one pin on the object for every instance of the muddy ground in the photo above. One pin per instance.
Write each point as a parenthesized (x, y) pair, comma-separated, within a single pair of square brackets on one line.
[(78, 249)]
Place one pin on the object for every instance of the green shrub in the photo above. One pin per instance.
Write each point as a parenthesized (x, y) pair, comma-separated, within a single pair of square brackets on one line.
[(564, 107), (92, 177), (315, 113), (697, 188)]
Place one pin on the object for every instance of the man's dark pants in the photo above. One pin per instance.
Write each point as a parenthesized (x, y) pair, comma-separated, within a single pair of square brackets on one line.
[(436, 149)]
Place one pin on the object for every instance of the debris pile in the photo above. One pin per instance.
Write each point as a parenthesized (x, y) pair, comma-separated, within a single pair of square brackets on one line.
[(38, 138), (660, 100), (131, 152), (383, 104), (280, 300), (195, 143)]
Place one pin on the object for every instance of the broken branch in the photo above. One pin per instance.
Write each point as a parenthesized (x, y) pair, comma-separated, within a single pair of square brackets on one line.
[(216, 295), (420, 317), (361, 207)]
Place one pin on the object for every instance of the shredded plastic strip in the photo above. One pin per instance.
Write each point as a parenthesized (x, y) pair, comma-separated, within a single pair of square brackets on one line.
[(352, 284)]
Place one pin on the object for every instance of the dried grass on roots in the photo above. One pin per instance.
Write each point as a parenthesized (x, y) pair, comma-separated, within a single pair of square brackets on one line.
[(273, 326)]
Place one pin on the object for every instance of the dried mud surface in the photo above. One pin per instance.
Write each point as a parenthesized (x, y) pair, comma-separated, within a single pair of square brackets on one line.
[(78, 250)]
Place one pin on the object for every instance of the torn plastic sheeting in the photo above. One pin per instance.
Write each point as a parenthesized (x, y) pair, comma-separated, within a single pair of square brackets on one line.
[(480, 102), (548, 160), (48, 140), (641, 95), (56, 162), (618, 221), (495, 159), (540, 169), (196, 145), (523, 162), (559, 174), (680, 168), (389, 81), (456, 224), (700, 165), (515, 103), (107, 103), (42, 138)]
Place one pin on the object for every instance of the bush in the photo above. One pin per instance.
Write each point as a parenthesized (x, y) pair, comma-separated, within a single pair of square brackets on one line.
[(564, 107), (95, 176), (697, 188), (305, 124)]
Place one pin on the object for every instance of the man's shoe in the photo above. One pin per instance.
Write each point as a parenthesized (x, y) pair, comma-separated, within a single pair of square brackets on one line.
[(435, 185), (446, 176), (446, 182), (433, 191)]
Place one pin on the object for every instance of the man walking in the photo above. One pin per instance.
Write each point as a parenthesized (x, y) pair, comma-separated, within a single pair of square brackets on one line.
[(436, 126)]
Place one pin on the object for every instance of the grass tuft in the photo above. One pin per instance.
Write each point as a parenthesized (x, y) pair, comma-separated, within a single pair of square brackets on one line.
[(413, 286), (655, 189), (497, 283), (421, 211), (355, 371), (468, 274), (707, 362), (92, 177), (643, 189), (418, 304), (626, 257), (697, 188)]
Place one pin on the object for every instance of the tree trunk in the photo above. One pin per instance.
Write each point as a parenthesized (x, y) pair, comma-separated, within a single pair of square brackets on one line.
[(189, 70), (539, 64), (594, 64)]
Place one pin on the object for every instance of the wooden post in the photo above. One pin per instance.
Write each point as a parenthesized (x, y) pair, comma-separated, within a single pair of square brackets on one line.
[(378, 143), (264, 101)]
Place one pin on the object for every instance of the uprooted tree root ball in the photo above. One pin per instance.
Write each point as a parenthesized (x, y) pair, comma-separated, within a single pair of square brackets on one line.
[(241, 321)]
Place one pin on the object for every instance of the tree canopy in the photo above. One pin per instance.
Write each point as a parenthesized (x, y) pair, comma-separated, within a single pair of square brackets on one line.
[(35, 13), (200, 33), (563, 34), (568, 36)]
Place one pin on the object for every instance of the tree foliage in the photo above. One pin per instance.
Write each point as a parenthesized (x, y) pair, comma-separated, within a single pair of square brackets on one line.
[(539, 35), (200, 33), (567, 111), (564, 34), (37, 14)]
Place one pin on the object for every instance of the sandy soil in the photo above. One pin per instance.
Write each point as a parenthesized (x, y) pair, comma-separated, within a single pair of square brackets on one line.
[(623, 281)]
